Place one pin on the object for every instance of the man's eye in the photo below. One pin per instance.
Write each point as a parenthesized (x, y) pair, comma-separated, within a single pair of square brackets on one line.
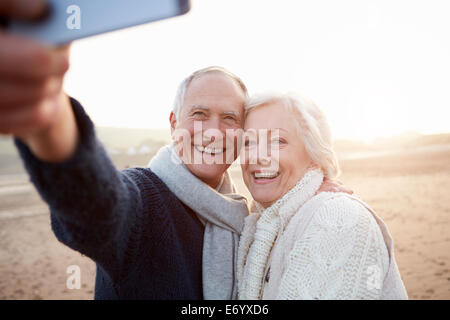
[(249, 143), (198, 113)]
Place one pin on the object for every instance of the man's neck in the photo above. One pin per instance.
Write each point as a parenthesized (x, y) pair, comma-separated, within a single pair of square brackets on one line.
[(215, 183)]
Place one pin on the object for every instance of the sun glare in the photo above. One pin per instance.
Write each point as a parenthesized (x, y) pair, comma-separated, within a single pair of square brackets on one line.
[(378, 69)]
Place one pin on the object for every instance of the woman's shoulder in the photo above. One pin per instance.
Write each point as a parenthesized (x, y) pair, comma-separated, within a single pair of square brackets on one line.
[(340, 219), (339, 210)]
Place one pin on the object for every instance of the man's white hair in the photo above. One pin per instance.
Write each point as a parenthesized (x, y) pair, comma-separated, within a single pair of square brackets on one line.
[(312, 127), (179, 98)]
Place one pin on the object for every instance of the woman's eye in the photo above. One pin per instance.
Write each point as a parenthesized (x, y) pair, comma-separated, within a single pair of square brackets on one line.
[(277, 141)]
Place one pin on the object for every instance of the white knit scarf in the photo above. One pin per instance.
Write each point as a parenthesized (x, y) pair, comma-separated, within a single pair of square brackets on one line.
[(267, 230), (222, 212)]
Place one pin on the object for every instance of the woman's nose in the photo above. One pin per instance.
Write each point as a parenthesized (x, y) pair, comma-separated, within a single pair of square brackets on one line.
[(263, 151), (263, 160)]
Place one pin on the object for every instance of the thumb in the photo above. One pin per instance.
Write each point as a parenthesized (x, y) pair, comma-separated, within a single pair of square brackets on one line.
[(23, 9)]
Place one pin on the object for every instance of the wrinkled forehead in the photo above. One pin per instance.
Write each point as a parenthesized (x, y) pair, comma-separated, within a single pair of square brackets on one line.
[(215, 77), (216, 91)]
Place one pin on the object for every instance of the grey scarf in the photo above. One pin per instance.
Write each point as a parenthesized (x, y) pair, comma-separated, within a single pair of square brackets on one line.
[(221, 211)]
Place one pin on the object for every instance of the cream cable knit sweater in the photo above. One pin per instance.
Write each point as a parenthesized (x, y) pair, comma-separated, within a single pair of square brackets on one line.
[(329, 246)]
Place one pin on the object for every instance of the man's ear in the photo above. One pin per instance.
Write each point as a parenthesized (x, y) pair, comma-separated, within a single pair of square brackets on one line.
[(173, 122)]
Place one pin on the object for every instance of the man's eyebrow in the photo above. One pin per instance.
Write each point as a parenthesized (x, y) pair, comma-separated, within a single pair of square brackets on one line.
[(199, 106), (233, 113)]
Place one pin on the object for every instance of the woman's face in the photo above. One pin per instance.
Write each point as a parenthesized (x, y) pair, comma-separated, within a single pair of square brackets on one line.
[(274, 158)]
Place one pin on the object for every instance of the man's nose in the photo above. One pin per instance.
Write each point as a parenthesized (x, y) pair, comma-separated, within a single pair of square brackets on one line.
[(212, 123), (212, 130)]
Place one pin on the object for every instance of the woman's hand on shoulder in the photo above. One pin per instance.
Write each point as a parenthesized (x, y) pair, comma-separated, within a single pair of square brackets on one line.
[(329, 185)]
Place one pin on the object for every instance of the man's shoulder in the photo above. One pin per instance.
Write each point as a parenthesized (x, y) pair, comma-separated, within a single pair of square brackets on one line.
[(140, 173), (149, 184), (156, 195)]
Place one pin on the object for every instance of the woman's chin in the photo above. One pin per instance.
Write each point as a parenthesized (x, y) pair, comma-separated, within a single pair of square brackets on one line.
[(264, 197), (264, 190)]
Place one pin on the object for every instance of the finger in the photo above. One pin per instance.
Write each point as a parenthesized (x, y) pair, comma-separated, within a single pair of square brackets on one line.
[(345, 190), (23, 9), (26, 119), (21, 58), (65, 49), (15, 94)]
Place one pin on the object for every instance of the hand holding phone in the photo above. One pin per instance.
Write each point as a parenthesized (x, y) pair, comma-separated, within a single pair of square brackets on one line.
[(31, 74), (33, 105), (69, 20)]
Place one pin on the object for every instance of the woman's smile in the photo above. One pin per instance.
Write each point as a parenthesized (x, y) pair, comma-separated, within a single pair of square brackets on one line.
[(264, 177)]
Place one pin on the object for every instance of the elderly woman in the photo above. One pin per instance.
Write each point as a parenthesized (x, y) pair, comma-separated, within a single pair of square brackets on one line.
[(299, 245)]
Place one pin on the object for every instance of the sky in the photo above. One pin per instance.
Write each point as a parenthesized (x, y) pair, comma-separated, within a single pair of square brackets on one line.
[(377, 68)]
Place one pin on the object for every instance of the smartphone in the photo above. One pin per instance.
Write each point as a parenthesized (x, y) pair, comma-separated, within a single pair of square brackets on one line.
[(69, 20)]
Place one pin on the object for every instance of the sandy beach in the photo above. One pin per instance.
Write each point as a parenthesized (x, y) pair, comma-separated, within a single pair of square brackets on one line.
[(409, 190)]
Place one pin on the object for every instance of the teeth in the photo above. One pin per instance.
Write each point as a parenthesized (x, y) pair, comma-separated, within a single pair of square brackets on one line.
[(267, 175), (209, 150), (213, 150)]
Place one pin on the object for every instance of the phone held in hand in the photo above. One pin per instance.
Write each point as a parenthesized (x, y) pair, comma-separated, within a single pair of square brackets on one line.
[(69, 20)]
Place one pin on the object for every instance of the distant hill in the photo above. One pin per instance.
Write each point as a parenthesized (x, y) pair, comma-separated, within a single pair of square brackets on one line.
[(399, 142), (117, 141), (123, 138), (135, 147), (115, 138)]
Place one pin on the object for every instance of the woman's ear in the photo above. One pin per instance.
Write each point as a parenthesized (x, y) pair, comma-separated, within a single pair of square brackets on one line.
[(173, 122)]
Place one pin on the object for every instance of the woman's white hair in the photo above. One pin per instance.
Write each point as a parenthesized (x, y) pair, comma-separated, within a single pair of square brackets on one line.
[(179, 98), (312, 127)]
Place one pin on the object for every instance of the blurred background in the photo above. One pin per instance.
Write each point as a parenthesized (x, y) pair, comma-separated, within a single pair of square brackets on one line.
[(379, 69)]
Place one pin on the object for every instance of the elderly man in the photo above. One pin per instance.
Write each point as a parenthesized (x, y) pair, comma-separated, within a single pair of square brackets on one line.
[(169, 231)]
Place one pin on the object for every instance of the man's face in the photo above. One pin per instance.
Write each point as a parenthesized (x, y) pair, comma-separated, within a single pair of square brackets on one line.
[(213, 105)]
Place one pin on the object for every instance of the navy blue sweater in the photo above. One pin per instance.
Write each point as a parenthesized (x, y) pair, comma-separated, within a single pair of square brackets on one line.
[(146, 243)]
